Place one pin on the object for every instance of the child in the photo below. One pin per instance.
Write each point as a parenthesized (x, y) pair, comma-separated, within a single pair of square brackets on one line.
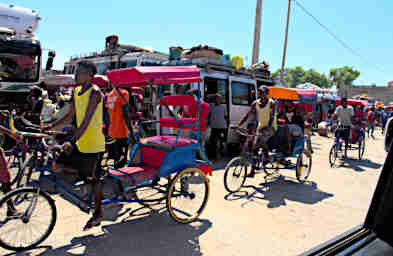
[(5, 177)]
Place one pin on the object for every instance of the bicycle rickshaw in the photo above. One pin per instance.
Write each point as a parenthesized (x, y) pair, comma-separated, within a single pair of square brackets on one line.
[(357, 137), (236, 170), (151, 161)]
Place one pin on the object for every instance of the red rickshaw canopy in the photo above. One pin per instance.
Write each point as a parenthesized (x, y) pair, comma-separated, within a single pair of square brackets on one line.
[(143, 76)]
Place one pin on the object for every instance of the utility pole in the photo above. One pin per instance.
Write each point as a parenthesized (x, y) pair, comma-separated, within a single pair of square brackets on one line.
[(285, 47), (257, 32)]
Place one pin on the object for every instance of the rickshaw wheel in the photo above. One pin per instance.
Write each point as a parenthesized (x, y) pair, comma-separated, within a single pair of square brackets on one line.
[(188, 195), (235, 174), (362, 147), (333, 155), (303, 166)]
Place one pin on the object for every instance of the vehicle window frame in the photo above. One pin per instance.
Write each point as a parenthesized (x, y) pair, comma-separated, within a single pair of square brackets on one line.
[(225, 95), (251, 90)]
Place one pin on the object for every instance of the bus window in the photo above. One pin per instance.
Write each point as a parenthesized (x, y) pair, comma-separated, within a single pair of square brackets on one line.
[(102, 68), (242, 93), (214, 86), (128, 63)]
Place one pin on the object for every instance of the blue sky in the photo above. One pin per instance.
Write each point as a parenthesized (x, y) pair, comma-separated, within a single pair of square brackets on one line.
[(74, 27)]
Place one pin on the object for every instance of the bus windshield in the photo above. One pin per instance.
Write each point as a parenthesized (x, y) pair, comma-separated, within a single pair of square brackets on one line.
[(19, 68)]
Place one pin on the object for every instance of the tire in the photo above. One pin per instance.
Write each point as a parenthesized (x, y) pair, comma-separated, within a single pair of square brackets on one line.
[(180, 189), (333, 155), (20, 196), (303, 166), (231, 172), (362, 147)]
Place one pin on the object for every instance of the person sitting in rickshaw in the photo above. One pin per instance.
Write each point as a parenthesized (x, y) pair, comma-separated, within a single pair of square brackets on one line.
[(294, 121), (264, 109)]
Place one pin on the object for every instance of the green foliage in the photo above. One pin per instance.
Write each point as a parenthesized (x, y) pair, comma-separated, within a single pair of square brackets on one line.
[(343, 76), (298, 75)]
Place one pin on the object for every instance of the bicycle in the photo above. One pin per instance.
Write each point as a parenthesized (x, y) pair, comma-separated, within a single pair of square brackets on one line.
[(336, 151), (253, 160)]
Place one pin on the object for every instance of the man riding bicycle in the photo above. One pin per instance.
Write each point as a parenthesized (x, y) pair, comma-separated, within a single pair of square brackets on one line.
[(264, 109), (344, 114)]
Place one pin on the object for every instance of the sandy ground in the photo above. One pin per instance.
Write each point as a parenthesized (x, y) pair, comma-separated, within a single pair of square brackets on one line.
[(280, 217)]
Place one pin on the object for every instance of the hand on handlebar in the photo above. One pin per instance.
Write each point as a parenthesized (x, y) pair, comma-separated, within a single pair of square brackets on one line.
[(67, 147), (16, 136), (46, 128)]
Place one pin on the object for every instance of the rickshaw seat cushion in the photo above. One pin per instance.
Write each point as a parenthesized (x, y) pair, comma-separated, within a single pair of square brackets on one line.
[(178, 100), (138, 173), (168, 142), (171, 122)]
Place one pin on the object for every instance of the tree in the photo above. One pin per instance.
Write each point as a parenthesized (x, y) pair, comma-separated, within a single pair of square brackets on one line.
[(342, 78), (292, 76), (317, 78), (297, 75)]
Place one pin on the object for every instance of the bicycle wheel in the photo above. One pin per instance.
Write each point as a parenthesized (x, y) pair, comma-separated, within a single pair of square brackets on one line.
[(188, 195), (235, 174), (362, 147), (33, 222), (303, 166), (333, 155)]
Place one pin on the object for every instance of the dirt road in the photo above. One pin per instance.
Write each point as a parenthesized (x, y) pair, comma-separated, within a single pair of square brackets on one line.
[(281, 217)]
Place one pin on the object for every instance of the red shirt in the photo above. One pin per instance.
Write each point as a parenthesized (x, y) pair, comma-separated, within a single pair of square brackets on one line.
[(204, 113), (114, 102), (370, 117)]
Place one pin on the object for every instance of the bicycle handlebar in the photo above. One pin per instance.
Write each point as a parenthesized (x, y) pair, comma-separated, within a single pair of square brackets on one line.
[(51, 147), (244, 132)]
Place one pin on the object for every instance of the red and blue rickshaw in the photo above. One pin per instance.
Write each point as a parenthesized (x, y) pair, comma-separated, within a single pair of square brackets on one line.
[(181, 162)]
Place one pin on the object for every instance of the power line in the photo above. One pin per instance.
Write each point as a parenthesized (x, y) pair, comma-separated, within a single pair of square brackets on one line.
[(345, 45)]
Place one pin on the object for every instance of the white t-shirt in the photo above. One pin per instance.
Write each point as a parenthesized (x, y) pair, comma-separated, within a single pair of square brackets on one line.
[(344, 115), (217, 118)]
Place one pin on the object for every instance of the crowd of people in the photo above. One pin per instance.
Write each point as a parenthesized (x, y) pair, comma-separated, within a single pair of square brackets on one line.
[(96, 114)]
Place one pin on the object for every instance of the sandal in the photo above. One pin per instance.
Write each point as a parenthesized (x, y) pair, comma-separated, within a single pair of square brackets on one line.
[(93, 222)]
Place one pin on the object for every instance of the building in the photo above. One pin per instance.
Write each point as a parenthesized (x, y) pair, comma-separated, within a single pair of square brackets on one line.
[(382, 93)]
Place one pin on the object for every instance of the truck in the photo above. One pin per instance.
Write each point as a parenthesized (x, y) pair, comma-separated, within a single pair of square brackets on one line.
[(20, 53), (238, 86)]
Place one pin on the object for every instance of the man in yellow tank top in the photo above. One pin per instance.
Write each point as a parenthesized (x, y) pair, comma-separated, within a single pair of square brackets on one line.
[(264, 109), (88, 137)]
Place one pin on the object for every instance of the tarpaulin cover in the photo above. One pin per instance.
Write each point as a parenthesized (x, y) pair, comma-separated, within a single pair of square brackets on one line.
[(142, 76), (306, 96), (283, 93), (353, 102)]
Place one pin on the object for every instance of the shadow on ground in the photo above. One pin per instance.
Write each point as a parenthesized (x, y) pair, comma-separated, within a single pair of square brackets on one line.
[(144, 232), (359, 165), (278, 191)]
